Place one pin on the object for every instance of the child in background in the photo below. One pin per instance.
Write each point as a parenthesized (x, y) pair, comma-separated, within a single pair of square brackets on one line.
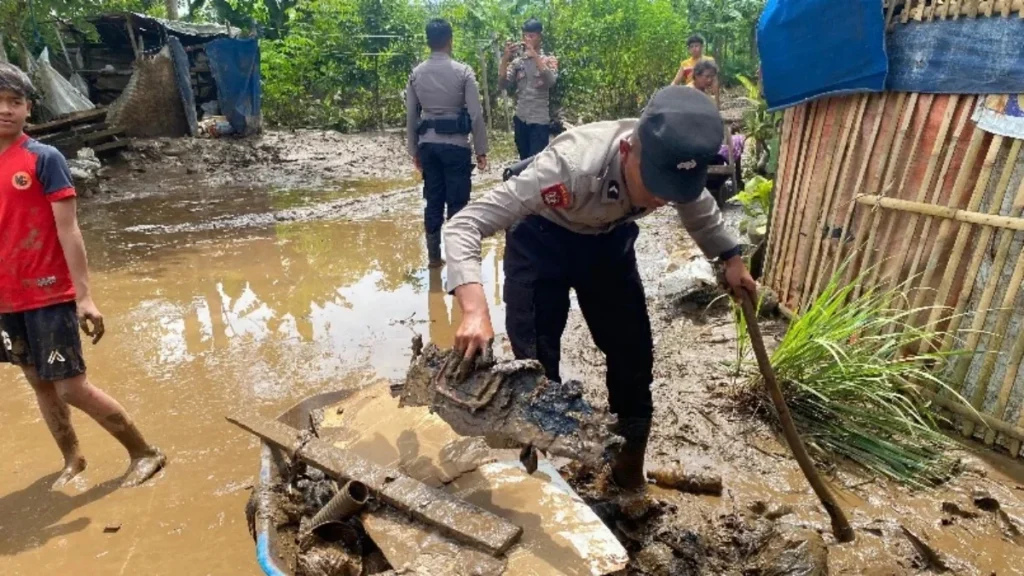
[(695, 44), (44, 290)]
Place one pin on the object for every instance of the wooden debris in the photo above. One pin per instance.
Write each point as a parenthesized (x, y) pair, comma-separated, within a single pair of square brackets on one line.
[(676, 478), (87, 129), (462, 520)]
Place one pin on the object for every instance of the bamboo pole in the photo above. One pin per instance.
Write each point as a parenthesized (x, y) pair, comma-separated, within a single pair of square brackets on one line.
[(866, 160), (781, 199), (951, 265), (829, 199), (862, 259), (996, 341), (903, 189), (887, 187), (942, 237), (780, 214), (979, 418), (965, 113), (944, 212), (798, 199), (817, 192), (981, 246), (925, 184)]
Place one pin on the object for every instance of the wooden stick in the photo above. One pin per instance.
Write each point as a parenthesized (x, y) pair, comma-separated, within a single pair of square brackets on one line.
[(136, 46), (965, 412), (435, 507), (952, 263), (865, 161), (981, 246), (829, 200), (840, 525)]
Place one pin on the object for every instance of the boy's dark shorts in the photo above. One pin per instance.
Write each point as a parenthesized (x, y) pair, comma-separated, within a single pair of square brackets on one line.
[(46, 338)]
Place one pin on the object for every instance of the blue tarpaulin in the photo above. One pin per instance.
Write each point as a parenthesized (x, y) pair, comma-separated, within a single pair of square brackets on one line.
[(812, 48), (963, 56), (235, 64)]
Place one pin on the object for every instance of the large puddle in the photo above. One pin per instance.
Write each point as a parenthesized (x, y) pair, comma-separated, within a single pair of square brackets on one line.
[(203, 323)]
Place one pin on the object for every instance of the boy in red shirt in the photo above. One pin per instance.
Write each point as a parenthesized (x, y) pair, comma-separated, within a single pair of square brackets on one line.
[(44, 289)]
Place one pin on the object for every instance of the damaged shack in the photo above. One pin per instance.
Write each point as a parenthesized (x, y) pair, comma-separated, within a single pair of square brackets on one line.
[(147, 77)]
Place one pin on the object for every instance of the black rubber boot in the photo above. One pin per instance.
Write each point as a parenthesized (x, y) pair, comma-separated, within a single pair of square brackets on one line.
[(434, 250), (628, 466)]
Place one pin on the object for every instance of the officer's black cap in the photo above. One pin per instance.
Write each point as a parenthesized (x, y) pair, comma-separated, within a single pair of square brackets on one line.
[(533, 25), (680, 133)]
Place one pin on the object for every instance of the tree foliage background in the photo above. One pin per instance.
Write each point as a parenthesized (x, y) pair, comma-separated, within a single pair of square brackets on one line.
[(344, 63)]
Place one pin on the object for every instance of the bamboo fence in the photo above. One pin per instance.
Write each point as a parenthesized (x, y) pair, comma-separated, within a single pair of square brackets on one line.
[(906, 190)]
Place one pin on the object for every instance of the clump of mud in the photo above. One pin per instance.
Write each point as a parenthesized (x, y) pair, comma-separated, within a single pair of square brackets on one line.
[(509, 404)]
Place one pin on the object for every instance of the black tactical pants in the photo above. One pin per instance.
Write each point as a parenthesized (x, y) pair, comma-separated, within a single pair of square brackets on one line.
[(447, 169), (542, 262), (531, 139)]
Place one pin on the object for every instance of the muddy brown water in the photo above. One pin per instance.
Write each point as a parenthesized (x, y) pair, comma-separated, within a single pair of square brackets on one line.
[(202, 323)]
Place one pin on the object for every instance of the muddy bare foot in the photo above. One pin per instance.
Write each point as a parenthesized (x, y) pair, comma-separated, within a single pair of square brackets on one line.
[(144, 468), (71, 469)]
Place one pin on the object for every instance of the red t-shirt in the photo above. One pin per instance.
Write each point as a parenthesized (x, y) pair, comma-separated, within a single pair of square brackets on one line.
[(33, 271)]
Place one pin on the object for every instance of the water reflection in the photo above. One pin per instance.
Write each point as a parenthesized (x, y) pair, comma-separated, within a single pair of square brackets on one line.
[(310, 301)]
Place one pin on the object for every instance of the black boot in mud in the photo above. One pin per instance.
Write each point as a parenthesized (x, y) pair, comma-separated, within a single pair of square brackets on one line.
[(628, 465), (434, 250)]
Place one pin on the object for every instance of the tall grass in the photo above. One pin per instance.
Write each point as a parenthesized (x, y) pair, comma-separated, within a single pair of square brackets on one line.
[(852, 390)]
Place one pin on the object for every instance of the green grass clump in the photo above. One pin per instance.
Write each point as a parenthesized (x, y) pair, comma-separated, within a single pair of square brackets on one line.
[(853, 389)]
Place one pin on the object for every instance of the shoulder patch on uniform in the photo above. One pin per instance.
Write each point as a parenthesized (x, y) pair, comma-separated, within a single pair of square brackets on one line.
[(556, 196)]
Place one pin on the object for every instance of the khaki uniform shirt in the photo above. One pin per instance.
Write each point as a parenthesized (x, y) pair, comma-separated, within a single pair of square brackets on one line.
[(532, 87), (577, 183), (442, 87)]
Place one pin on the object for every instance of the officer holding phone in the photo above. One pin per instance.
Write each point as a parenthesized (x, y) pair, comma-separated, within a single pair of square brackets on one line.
[(530, 74), (443, 108)]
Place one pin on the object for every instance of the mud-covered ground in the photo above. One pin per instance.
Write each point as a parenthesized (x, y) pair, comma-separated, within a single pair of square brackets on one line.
[(242, 276)]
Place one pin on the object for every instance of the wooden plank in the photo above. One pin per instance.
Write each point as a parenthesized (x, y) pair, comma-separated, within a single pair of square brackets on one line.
[(454, 516), (73, 119)]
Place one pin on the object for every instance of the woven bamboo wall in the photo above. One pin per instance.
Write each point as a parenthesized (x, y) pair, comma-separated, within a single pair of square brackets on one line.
[(907, 188)]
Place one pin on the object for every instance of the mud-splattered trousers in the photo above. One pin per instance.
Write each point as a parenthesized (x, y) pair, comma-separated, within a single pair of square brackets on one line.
[(542, 262)]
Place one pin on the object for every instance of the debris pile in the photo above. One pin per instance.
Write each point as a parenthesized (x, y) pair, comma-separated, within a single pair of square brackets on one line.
[(73, 132)]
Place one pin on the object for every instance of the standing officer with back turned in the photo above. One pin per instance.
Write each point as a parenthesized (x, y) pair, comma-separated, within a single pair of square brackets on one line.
[(442, 109)]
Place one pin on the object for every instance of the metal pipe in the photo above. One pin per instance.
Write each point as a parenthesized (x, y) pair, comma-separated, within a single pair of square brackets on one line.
[(345, 504)]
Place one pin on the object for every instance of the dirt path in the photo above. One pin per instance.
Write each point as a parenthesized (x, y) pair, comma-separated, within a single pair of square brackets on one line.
[(244, 276)]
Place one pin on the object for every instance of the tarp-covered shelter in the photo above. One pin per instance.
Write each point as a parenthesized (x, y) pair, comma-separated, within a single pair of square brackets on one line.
[(908, 167), (161, 61)]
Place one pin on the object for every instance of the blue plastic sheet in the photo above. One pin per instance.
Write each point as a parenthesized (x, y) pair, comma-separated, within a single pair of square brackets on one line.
[(235, 64), (812, 48), (963, 56)]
